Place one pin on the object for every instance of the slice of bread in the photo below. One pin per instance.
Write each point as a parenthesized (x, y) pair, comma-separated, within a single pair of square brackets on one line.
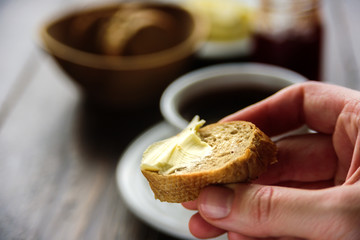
[(241, 152)]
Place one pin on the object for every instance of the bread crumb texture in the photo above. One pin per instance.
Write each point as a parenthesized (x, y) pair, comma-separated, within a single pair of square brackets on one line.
[(241, 152)]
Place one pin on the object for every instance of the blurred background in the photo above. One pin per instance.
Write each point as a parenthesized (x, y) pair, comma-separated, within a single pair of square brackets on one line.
[(65, 118)]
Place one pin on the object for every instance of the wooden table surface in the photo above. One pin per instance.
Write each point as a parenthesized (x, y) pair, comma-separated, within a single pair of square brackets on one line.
[(58, 155)]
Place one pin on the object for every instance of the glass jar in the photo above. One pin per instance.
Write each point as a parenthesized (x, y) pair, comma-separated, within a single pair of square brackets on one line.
[(289, 33)]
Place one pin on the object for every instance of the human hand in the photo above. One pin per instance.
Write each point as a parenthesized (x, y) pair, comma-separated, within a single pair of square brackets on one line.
[(313, 192)]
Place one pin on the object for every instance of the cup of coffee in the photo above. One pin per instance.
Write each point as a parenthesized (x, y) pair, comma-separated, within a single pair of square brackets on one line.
[(217, 91)]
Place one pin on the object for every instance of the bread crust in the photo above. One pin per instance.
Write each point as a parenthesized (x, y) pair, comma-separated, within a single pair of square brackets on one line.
[(183, 187)]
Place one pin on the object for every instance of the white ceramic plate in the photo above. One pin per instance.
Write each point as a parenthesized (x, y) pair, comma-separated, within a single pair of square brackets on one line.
[(170, 218)]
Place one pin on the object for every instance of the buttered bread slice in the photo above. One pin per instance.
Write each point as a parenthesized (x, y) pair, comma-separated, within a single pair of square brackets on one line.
[(179, 167)]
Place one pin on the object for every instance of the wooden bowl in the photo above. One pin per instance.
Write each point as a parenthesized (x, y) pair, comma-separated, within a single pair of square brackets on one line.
[(121, 60)]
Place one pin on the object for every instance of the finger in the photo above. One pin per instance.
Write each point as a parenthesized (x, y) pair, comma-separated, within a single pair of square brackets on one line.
[(316, 104), (191, 205), (305, 158), (202, 229), (265, 211)]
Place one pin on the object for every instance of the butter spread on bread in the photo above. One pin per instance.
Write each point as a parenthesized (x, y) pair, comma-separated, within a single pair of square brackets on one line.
[(178, 152), (238, 152)]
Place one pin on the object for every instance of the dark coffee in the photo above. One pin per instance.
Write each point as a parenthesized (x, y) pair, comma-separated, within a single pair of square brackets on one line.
[(216, 104)]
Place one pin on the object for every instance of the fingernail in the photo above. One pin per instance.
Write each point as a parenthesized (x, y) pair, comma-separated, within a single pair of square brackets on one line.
[(216, 202)]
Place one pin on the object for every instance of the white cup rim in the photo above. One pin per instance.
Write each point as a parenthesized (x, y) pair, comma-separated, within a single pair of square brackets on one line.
[(172, 93)]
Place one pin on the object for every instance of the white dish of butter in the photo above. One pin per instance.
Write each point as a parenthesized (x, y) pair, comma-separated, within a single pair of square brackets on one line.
[(170, 218), (230, 27)]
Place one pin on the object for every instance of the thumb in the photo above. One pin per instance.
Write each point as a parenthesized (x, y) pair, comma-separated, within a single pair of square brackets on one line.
[(266, 211)]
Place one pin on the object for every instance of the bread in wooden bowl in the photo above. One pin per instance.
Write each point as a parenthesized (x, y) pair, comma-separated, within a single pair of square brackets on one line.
[(230, 152)]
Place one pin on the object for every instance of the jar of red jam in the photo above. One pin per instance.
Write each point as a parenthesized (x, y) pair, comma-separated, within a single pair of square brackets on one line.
[(289, 33)]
